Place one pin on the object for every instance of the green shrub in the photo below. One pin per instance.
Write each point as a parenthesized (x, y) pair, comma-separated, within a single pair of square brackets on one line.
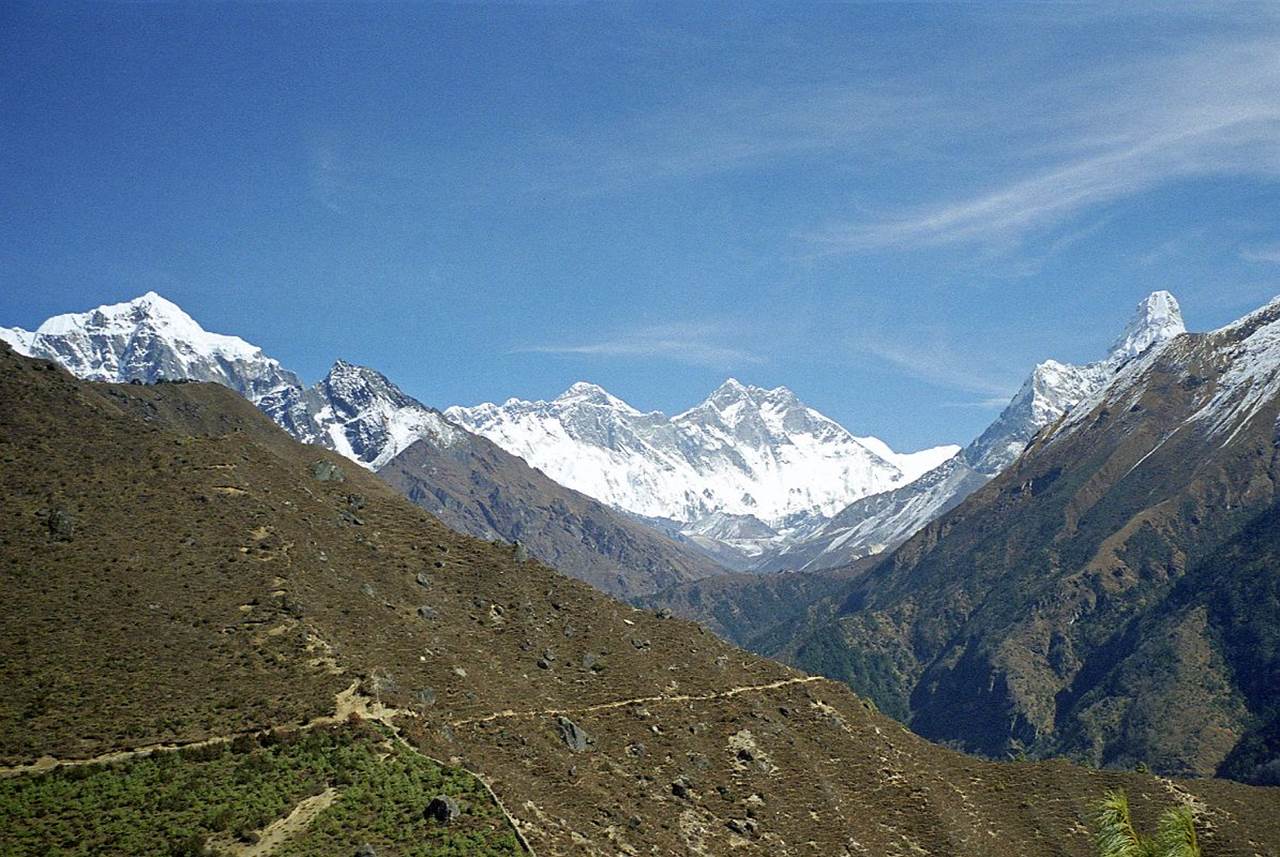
[(187, 802)]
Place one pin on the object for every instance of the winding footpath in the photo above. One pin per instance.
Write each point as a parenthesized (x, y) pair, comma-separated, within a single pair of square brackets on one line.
[(350, 701)]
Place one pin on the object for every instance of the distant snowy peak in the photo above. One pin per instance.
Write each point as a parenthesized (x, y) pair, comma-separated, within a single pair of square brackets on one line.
[(357, 388), (20, 340), (150, 312), (149, 338), (365, 417), (1052, 392), (585, 393), (353, 410), (1236, 368), (912, 464), (1157, 319), (1054, 388), (744, 451), (759, 416)]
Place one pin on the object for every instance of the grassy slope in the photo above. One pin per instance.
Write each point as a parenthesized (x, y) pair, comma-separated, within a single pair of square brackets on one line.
[(213, 584)]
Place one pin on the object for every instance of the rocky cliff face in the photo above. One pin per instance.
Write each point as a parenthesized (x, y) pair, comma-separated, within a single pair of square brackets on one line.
[(875, 523), (1095, 598)]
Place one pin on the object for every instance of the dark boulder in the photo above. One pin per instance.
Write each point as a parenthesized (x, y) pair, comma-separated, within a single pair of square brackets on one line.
[(442, 810), (573, 735), (327, 471), (61, 525)]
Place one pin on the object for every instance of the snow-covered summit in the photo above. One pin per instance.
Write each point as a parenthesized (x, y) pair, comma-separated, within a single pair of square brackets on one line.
[(365, 417), (1158, 318), (912, 464), (1052, 390), (1236, 367), (20, 340), (586, 393), (149, 338), (148, 312), (353, 410), (744, 450)]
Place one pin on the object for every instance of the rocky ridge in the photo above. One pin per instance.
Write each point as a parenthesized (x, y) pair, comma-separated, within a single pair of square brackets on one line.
[(882, 521)]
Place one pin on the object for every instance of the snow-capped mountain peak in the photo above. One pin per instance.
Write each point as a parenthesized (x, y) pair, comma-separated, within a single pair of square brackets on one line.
[(586, 393), (733, 390), (149, 338), (353, 410), (19, 340), (369, 419), (149, 312), (359, 386), (1052, 390), (912, 464), (744, 450), (1158, 318)]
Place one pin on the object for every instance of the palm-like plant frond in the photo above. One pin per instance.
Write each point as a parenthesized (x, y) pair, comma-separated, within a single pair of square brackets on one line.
[(1114, 833), (1176, 835)]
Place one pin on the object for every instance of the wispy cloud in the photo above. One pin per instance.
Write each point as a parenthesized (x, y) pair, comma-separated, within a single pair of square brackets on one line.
[(1261, 253), (935, 361), (345, 175), (697, 344), (1209, 112), (719, 132), (329, 184), (991, 403)]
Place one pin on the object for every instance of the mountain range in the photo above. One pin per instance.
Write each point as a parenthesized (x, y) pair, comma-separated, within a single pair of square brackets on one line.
[(750, 464), (214, 637), (744, 472), (749, 479), (357, 412), (1035, 566)]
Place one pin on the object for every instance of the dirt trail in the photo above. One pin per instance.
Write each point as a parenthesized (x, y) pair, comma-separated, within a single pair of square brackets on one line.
[(277, 832), (351, 701), (639, 700), (346, 702)]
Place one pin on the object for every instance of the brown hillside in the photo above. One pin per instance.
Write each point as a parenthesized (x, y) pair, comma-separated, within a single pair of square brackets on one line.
[(476, 487), (168, 585), (1113, 596)]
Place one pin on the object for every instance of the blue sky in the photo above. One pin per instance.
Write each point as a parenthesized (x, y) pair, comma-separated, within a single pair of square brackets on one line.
[(894, 209)]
